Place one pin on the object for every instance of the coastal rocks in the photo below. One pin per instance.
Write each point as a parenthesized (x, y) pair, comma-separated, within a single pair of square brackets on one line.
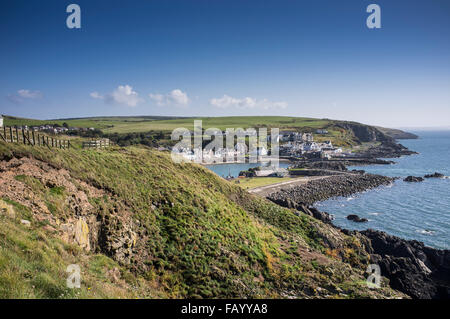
[(319, 190), (357, 219), (419, 271), (413, 179), (435, 175), (317, 214)]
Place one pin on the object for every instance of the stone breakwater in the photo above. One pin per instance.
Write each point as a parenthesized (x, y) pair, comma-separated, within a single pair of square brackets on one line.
[(334, 186)]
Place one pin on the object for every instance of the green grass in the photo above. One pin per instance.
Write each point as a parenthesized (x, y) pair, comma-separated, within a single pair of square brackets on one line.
[(33, 265), (253, 182), (200, 236), (222, 123), (145, 124), (96, 122), (125, 125)]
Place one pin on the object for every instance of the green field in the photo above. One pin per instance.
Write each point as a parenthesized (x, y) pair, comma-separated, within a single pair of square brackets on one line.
[(104, 123), (223, 123), (253, 182), (147, 124)]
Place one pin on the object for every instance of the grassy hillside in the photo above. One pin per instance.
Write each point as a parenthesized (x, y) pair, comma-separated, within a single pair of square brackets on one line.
[(141, 226), (155, 123), (107, 122)]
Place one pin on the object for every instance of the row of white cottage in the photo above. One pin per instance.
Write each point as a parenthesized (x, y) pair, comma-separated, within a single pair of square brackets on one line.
[(221, 153), (295, 148)]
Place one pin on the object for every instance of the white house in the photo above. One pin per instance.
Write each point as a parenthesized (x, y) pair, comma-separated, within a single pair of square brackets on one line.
[(311, 147)]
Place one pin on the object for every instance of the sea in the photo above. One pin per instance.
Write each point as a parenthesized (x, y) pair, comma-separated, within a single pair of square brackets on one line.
[(233, 169), (418, 211)]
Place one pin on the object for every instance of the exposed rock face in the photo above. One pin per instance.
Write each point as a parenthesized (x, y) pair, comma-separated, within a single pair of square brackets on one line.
[(111, 231), (365, 133), (319, 190), (435, 175), (117, 238), (82, 234), (419, 271), (413, 179), (317, 214), (357, 219)]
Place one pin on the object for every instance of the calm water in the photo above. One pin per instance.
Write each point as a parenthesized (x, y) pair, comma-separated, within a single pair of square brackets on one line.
[(418, 211), (234, 169)]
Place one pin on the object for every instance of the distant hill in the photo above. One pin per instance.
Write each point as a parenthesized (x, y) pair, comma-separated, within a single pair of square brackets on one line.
[(341, 133), (398, 134)]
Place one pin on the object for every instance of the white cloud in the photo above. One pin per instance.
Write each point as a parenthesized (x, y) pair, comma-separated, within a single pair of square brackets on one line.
[(96, 95), (24, 94), (123, 94), (174, 97), (27, 94), (158, 98), (246, 103)]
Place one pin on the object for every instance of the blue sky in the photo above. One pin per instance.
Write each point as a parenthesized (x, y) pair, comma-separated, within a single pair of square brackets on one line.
[(226, 57)]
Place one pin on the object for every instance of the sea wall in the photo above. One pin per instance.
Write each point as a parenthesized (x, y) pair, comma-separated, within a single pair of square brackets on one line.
[(334, 186)]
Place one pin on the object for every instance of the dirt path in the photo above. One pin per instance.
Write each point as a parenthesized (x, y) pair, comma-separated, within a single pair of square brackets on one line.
[(268, 189)]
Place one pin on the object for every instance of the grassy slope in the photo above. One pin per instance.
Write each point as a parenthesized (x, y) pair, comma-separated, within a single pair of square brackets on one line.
[(207, 237), (144, 124)]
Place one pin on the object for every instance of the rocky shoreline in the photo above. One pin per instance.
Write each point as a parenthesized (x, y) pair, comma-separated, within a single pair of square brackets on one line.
[(417, 270), (334, 186), (411, 267)]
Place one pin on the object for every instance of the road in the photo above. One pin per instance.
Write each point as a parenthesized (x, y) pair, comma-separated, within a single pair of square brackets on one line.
[(269, 189)]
